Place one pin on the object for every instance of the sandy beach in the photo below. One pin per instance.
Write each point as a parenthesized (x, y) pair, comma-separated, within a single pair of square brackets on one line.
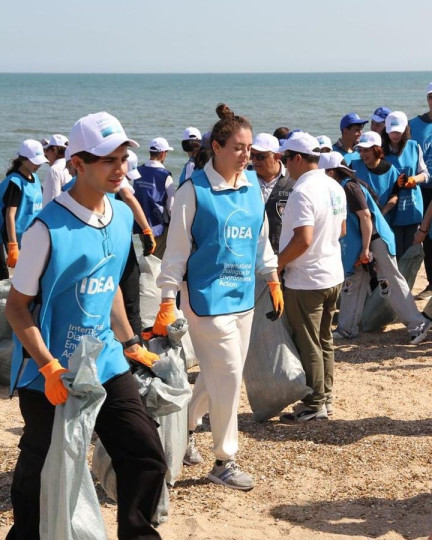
[(364, 474)]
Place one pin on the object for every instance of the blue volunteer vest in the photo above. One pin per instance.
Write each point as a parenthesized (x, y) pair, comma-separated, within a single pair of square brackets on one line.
[(183, 173), (30, 205), (225, 231), (77, 289), (409, 210), (422, 133), (348, 156), (382, 184), (351, 243), (151, 194)]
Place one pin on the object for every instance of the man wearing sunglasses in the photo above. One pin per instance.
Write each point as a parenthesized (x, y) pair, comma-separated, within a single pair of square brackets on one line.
[(310, 256), (274, 181)]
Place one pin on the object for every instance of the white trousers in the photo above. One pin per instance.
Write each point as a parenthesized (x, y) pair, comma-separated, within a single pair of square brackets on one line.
[(221, 345)]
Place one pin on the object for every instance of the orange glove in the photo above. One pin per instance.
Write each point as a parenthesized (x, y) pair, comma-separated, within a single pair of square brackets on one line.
[(13, 253), (165, 316), (142, 356), (149, 242), (410, 183), (277, 300), (401, 181), (55, 391)]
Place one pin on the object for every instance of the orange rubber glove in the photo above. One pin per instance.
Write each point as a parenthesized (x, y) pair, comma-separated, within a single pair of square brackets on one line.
[(401, 181), (149, 242), (13, 253), (410, 183), (142, 356), (277, 300), (165, 316), (55, 391)]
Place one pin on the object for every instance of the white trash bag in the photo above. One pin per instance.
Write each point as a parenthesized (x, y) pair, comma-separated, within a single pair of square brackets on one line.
[(69, 504)]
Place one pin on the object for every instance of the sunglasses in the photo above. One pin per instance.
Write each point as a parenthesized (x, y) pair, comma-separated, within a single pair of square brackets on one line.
[(288, 155), (260, 157)]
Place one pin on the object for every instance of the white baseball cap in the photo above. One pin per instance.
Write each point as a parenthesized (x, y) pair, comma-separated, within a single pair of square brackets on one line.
[(57, 140), (99, 134), (396, 121), (334, 160), (301, 142), (369, 139), (429, 89), (132, 163), (159, 144), (33, 151), (264, 142), (324, 142), (191, 133)]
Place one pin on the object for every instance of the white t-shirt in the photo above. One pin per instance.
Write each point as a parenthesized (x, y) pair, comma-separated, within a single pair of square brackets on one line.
[(57, 177), (319, 201)]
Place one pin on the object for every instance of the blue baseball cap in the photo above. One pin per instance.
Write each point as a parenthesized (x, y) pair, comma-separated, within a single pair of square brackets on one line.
[(351, 119), (380, 114)]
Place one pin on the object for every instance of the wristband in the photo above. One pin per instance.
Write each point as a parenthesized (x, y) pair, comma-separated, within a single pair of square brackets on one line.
[(134, 340), (424, 232)]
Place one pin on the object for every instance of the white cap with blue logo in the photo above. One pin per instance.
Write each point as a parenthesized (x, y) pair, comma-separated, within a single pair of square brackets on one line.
[(396, 121), (33, 151)]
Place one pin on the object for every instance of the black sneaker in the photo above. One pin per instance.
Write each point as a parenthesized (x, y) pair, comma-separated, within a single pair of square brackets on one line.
[(302, 414)]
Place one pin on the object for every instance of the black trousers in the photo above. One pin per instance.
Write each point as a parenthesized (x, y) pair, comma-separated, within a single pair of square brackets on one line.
[(427, 244), (129, 285), (4, 272), (130, 438)]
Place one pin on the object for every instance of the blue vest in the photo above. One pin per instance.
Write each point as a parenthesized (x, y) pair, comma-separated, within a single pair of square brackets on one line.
[(422, 133), (151, 194), (225, 231), (382, 184), (30, 205), (77, 289), (351, 243), (348, 156), (183, 173), (409, 210)]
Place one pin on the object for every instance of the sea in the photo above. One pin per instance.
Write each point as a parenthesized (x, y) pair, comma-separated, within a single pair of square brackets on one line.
[(152, 105)]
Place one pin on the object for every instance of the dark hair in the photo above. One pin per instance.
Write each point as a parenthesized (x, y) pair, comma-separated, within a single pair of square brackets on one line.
[(155, 155), (61, 150), (309, 158), (203, 155), (222, 110), (378, 152), (281, 132), (15, 164), (87, 157), (191, 145), (386, 142), (228, 124)]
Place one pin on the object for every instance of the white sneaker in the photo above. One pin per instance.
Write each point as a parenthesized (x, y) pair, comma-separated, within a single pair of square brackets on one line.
[(229, 474), (192, 456), (420, 333)]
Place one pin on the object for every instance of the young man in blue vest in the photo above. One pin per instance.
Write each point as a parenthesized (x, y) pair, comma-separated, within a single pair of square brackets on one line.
[(421, 131), (77, 250), (155, 192), (351, 126)]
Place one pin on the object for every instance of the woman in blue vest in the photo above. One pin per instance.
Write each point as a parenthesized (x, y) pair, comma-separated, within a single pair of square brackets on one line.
[(378, 173), (369, 238), (217, 239), (407, 156), (20, 197)]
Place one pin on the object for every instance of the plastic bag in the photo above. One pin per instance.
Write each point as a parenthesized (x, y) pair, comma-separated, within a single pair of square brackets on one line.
[(273, 373), (69, 504), (166, 401), (377, 312), (150, 298)]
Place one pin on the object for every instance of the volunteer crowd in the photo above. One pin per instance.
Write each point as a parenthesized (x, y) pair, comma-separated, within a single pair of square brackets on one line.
[(319, 221)]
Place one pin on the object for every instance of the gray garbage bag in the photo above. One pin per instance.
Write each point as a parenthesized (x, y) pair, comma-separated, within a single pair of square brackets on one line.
[(150, 298), (6, 351), (377, 312), (5, 329), (273, 374), (166, 397), (69, 504)]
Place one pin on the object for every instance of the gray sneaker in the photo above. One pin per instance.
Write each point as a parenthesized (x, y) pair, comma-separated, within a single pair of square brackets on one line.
[(192, 456), (329, 408), (425, 294), (229, 474), (420, 333)]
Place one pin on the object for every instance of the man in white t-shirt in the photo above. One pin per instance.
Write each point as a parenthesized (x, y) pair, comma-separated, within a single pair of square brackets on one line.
[(310, 256), (58, 175)]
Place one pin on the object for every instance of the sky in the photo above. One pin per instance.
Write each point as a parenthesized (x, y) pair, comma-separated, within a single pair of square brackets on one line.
[(216, 36)]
